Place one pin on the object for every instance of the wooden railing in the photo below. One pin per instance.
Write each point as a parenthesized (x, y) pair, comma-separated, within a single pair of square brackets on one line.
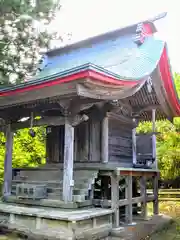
[(167, 194)]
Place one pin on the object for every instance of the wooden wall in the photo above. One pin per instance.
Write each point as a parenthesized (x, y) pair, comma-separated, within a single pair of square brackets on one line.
[(120, 142), (86, 143), (55, 144)]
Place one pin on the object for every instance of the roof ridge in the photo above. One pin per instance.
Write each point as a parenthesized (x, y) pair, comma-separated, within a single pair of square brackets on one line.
[(106, 34)]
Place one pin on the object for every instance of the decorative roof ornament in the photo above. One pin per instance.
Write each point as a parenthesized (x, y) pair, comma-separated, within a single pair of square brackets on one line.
[(43, 62), (149, 84), (140, 34)]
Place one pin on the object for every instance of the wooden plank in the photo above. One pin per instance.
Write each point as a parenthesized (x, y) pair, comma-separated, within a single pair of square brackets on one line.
[(8, 162), (155, 192), (154, 137), (144, 196), (134, 145), (94, 143), (68, 163), (115, 199), (82, 142), (52, 121), (105, 140), (120, 142), (121, 118), (128, 195), (104, 186), (137, 173)]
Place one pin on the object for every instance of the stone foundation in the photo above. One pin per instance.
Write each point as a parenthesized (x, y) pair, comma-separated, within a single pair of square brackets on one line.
[(53, 223)]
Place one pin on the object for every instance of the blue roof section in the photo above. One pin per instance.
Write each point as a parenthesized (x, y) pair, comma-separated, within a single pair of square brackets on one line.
[(119, 56)]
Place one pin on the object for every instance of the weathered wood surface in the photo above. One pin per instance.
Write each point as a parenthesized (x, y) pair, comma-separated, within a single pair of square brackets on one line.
[(134, 153), (51, 121), (95, 141), (8, 162), (68, 163), (81, 138), (155, 192), (55, 144), (143, 190), (154, 137), (115, 199), (120, 142), (128, 194), (105, 140)]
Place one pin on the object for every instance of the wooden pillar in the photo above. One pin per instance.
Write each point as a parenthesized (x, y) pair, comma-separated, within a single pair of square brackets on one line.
[(105, 187), (154, 137), (105, 140), (68, 163), (134, 145), (143, 190), (8, 162), (115, 199), (155, 192), (128, 195)]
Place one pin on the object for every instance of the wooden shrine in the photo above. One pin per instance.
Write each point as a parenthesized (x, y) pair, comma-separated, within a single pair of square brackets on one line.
[(90, 96)]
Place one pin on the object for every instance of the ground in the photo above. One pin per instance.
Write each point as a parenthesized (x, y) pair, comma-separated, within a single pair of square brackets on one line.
[(173, 231)]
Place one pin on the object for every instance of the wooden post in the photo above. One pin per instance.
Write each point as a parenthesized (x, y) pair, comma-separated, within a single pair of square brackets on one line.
[(134, 145), (68, 163), (105, 140), (143, 190), (128, 195), (115, 199), (155, 192), (8, 162), (104, 187), (154, 136)]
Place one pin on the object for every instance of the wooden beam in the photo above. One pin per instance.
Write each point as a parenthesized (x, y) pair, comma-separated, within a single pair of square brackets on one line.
[(115, 199), (128, 195), (154, 137), (143, 191), (134, 145), (105, 140), (125, 120), (138, 173), (155, 192), (8, 162), (68, 163), (51, 121)]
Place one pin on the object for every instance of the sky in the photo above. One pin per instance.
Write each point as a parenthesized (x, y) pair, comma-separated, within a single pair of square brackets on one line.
[(86, 18)]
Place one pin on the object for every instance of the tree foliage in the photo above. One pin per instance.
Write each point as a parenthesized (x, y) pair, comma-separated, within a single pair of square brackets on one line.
[(27, 151), (23, 33)]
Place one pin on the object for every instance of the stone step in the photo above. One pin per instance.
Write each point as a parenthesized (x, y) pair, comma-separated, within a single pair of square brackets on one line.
[(83, 183), (57, 191), (53, 175), (76, 198), (59, 196)]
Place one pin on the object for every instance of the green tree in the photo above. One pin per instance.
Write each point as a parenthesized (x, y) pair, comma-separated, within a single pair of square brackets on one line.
[(27, 151), (23, 33)]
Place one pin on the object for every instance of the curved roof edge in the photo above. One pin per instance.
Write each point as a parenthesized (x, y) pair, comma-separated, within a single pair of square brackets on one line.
[(168, 83)]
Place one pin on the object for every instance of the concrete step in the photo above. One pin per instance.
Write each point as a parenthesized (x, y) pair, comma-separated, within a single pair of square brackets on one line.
[(81, 183), (53, 175), (78, 180), (51, 190), (76, 198), (79, 195)]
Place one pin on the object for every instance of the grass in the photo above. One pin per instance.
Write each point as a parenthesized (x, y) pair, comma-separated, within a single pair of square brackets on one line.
[(172, 232)]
